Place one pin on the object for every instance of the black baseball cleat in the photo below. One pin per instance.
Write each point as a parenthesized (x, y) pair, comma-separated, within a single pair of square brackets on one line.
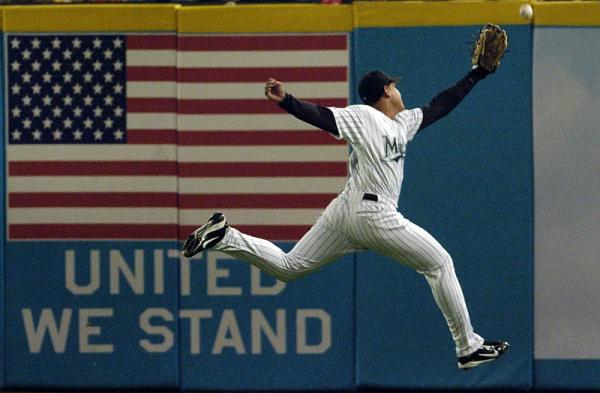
[(206, 236), (489, 350)]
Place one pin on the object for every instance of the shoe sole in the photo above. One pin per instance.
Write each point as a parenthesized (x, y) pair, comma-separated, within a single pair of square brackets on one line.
[(198, 245), (470, 365)]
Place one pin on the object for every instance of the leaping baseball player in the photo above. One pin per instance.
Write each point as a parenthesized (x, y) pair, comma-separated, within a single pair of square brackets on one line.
[(364, 216)]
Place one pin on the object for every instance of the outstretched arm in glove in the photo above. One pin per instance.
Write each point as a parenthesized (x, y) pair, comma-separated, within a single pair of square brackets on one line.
[(447, 100), (489, 48)]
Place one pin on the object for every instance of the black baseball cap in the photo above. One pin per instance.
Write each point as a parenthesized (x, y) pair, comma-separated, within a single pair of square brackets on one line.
[(370, 87)]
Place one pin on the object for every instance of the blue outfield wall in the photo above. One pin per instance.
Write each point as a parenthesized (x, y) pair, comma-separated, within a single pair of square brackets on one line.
[(567, 374), (308, 340), (468, 181), (102, 330), (208, 323)]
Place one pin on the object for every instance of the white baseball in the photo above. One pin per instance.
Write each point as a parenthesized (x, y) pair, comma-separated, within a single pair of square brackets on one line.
[(526, 11)]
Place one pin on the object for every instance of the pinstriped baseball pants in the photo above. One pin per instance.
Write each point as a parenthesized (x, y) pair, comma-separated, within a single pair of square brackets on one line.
[(352, 224)]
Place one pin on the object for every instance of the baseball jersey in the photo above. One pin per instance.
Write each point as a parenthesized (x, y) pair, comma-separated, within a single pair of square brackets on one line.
[(378, 147)]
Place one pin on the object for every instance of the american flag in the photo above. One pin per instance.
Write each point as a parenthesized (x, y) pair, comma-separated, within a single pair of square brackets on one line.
[(114, 136)]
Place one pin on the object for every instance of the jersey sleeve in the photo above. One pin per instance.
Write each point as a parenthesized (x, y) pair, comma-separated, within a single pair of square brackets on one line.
[(411, 119), (350, 122)]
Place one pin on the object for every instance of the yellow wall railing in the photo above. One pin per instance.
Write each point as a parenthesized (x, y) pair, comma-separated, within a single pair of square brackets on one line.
[(301, 18)]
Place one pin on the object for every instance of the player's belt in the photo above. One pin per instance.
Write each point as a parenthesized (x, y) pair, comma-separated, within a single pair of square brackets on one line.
[(370, 197)]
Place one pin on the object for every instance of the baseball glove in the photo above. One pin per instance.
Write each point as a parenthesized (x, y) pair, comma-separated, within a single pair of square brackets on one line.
[(489, 47)]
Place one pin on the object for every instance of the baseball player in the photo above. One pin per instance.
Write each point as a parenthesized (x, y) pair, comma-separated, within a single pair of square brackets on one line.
[(364, 215)]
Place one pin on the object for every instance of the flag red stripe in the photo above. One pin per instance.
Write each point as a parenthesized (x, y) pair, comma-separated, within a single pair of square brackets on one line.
[(152, 41), (263, 43), (93, 231), (270, 232), (262, 169), (244, 106), (92, 168), (151, 105), (142, 137), (288, 74), (186, 169), (89, 199), (151, 74), (142, 231), (254, 201), (157, 199), (249, 138)]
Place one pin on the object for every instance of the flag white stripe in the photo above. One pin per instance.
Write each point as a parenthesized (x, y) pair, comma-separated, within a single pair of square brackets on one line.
[(251, 185), (130, 215), (92, 153), (254, 216), (325, 153), (151, 90), (241, 122), (159, 216), (151, 58), (256, 90), (92, 184), (151, 121), (234, 185), (286, 58), (292, 153)]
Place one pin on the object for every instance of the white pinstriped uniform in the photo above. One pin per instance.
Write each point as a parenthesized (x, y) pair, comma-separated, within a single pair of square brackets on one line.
[(351, 223)]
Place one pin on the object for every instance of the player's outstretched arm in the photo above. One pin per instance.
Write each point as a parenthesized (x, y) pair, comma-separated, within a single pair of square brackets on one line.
[(311, 113), (447, 100), (489, 48)]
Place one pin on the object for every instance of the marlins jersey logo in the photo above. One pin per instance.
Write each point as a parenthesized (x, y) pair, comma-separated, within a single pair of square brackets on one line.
[(394, 151)]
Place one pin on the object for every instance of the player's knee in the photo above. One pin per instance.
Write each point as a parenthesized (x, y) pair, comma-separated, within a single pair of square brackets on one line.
[(289, 275), (442, 263), (294, 268), (446, 260), (281, 274)]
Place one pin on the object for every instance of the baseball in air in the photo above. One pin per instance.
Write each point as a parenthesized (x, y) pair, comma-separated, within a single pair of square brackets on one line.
[(526, 11)]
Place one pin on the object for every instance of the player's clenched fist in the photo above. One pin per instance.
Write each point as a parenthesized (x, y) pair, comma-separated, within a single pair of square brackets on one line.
[(274, 90)]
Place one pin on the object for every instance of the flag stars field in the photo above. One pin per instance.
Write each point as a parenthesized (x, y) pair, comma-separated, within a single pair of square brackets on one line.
[(66, 83)]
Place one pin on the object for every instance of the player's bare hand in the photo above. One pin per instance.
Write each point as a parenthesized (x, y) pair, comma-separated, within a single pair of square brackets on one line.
[(274, 90)]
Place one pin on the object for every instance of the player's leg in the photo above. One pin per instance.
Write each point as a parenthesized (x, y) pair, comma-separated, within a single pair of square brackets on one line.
[(322, 244), (396, 237), (318, 247)]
